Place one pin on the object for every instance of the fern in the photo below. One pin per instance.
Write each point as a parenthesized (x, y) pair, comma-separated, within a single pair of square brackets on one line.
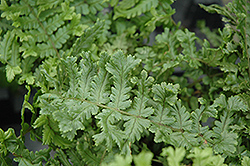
[(106, 97)]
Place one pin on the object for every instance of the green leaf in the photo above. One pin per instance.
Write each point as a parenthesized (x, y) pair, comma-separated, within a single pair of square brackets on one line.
[(87, 72), (99, 87), (74, 157), (187, 40), (120, 160), (236, 104), (26, 157), (63, 157), (12, 71), (60, 37), (85, 41), (48, 135), (136, 124), (143, 159), (228, 67), (225, 141), (165, 95), (68, 124), (245, 161), (5, 47), (72, 70), (184, 139), (119, 67), (141, 7), (181, 117), (205, 157), (174, 157), (110, 133), (87, 155)]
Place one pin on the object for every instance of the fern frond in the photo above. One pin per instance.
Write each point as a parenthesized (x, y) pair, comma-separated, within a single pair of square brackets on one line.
[(87, 72), (15, 10), (100, 91), (164, 96), (73, 110), (119, 67), (70, 122), (89, 6), (86, 40), (135, 125), (141, 7), (13, 67), (181, 116), (48, 4), (187, 40), (225, 141), (110, 134), (29, 22), (96, 5), (73, 74), (223, 135), (60, 37), (5, 47), (184, 139), (53, 23), (74, 157), (168, 42), (88, 156), (126, 4), (50, 130)]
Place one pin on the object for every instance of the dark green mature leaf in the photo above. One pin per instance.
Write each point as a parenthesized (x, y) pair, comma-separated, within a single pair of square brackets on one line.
[(30, 158), (63, 157)]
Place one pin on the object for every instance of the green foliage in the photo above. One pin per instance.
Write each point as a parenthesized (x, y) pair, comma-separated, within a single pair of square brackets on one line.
[(106, 97)]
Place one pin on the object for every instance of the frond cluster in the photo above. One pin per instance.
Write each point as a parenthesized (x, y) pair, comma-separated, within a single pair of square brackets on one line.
[(106, 94)]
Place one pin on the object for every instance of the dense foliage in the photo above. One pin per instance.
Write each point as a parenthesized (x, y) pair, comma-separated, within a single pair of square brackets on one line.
[(105, 96)]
